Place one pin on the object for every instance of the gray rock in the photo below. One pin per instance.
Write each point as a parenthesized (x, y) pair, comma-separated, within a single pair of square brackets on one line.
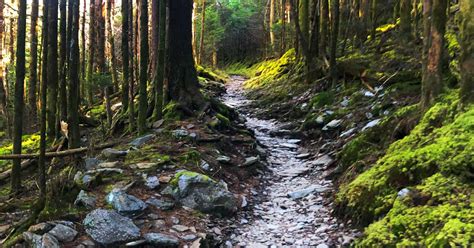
[(180, 228), (124, 203), (205, 166), (109, 164), (49, 241), (332, 124), (320, 120), (87, 180), (189, 237), (303, 156), (136, 243), (250, 161), (107, 227), (202, 193), (152, 182), (371, 124), (113, 154), (139, 142), (322, 246), (324, 161), (40, 228), (180, 133), (347, 133), (91, 163), (63, 233), (403, 193), (33, 240), (161, 204), (161, 240), (306, 192), (223, 159)]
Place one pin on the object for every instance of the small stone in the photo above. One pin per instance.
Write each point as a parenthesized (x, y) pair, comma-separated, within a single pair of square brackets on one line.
[(112, 154), (180, 228), (403, 193), (322, 246), (175, 220), (305, 192), (41, 228), (189, 237), (303, 156), (369, 94), (159, 223), (145, 166), (205, 166), (161, 204), (180, 133), (165, 179), (371, 124), (152, 182), (124, 203), (223, 159), (158, 124), (217, 231), (332, 124), (347, 133), (136, 243), (49, 241), (153, 216), (91, 163), (250, 161), (63, 233), (139, 142), (109, 164), (159, 240)]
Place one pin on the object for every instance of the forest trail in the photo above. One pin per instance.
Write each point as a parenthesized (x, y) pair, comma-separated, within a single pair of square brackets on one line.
[(291, 207)]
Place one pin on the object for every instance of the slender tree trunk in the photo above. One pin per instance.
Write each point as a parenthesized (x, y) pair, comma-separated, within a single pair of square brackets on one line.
[(160, 63), (203, 30), (3, 94), (110, 20), (194, 30), (92, 45), (334, 34), (467, 51), (405, 20), (52, 69), (84, 52), (100, 53), (373, 18), (304, 18), (270, 25), (283, 29), (432, 76), (19, 101), (182, 75), (143, 101), (33, 80), (125, 55), (62, 104), (131, 91), (74, 82), (155, 37), (324, 27)]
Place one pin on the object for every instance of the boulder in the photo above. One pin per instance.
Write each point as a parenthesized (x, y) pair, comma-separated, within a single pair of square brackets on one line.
[(49, 241), (199, 192), (63, 233), (33, 240), (108, 228), (161, 240), (161, 204), (85, 200), (124, 203), (139, 142)]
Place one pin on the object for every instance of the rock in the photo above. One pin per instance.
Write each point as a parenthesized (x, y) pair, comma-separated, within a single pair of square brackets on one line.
[(63, 233), (91, 163), (403, 193), (180, 228), (88, 243), (217, 231), (201, 193), (113, 154), (86, 181), (40, 228), (107, 227), (189, 237), (250, 161), (49, 241), (152, 182), (303, 156), (320, 120), (345, 102), (371, 124), (305, 192), (164, 179), (109, 164), (244, 202), (158, 124), (332, 124), (323, 161), (322, 246), (290, 145), (124, 203), (175, 220), (161, 204), (161, 240), (180, 133), (4, 229), (33, 240), (223, 159), (205, 166), (368, 94), (144, 166), (139, 142), (347, 133), (136, 243)]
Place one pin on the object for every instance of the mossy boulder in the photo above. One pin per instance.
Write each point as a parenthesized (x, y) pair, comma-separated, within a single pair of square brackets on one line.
[(200, 192)]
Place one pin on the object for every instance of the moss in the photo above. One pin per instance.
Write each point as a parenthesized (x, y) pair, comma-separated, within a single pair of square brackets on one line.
[(30, 144), (175, 180), (213, 75), (171, 112), (322, 99), (146, 154), (192, 157), (98, 111), (436, 161)]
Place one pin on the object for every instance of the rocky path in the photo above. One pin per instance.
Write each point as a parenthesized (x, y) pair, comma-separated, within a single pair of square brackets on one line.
[(291, 208)]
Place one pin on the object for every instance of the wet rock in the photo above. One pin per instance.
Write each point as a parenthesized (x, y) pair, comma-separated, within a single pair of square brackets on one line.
[(139, 142), (202, 193), (152, 182), (290, 145), (136, 243), (124, 203), (371, 124), (63, 233), (250, 161), (107, 227), (161, 204), (303, 156), (306, 192), (223, 159), (347, 133), (323, 161), (322, 246), (91, 163), (332, 124), (113, 154), (161, 240)]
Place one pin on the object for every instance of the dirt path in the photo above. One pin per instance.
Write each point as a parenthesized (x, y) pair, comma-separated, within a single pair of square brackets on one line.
[(291, 208)]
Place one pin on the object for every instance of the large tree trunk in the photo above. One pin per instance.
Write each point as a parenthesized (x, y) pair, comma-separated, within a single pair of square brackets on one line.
[(100, 53), (405, 20), (125, 55), (92, 45), (160, 63), (270, 25), (334, 34), (84, 52), (467, 51), (19, 91), (203, 30), (324, 27), (33, 81), (52, 69), (304, 18), (432, 76), (111, 39), (3, 93), (74, 82), (131, 92), (142, 97), (62, 105), (182, 76)]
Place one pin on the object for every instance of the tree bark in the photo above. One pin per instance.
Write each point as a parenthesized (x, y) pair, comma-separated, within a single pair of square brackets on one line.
[(334, 34), (125, 55), (19, 101), (432, 74), (467, 51), (304, 18), (203, 30), (62, 105), (324, 27), (3, 93), (92, 45), (143, 100), (270, 25), (111, 39), (33, 81), (182, 76), (405, 19), (160, 63), (74, 82), (52, 68)]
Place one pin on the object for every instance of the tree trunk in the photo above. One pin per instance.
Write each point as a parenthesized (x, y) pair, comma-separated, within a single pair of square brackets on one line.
[(270, 25), (182, 76), (324, 27), (155, 37), (33, 81), (52, 67), (100, 53), (62, 105), (92, 45), (405, 20), (3, 93), (84, 52), (125, 55), (74, 82), (160, 63), (131, 93), (467, 51), (203, 29), (334, 34), (304, 18), (110, 21), (283, 28), (19, 91), (193, 30), (432, 75), (143, 101)]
